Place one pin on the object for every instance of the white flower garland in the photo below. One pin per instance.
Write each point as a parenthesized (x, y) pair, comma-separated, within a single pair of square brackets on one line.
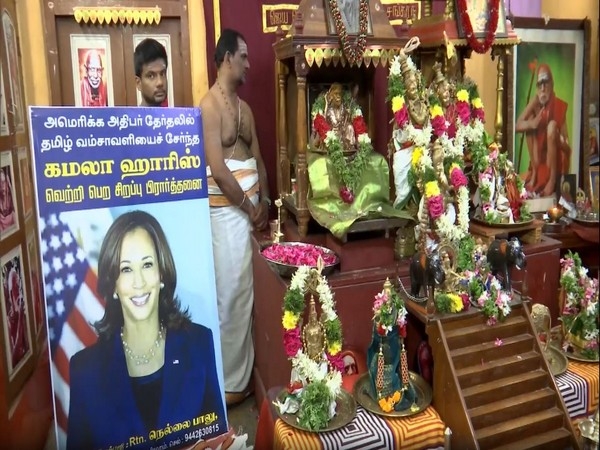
[(306, 368)]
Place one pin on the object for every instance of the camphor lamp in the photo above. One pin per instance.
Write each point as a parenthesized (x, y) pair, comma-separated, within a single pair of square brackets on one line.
[(555, 213)]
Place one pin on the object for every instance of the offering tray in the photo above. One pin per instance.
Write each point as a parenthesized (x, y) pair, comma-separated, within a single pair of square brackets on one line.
[(423, 393), (330, 259), (556, 360), (345, 411), (502, 225), (586, 220)]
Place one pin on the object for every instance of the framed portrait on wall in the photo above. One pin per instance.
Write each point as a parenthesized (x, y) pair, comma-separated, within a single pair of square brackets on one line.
[(16, 105), (9, 216), (165, 41), (35, 281), (4, 130), (15, 312), (594, 186), (92, 70), (550, 92), (26, 183), (349, 12)]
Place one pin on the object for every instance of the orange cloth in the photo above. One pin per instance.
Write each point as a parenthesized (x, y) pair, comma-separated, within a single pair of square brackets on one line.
[(589, 372)]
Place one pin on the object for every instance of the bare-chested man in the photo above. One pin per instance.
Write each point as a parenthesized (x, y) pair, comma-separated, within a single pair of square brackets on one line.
[(239, 200)]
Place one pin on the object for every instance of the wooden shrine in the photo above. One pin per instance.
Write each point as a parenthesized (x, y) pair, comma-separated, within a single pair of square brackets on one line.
[(308, 58)]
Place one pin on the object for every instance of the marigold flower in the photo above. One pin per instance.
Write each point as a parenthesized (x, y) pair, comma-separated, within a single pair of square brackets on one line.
[(416, 156), (432, 189), (462, 95), (436, 110), (477, 103), (334, 348), (397, 103), (456, 303), (290, 320)]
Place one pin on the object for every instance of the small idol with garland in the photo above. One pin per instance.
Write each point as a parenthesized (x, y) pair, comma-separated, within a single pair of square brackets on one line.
[(314, 349), (390, 384), (349, 180)]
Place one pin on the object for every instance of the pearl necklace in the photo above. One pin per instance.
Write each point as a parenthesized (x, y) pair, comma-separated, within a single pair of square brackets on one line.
[(148, 355)]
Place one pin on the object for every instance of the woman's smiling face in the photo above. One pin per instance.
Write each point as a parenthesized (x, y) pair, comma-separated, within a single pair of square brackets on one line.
[(138, 285)]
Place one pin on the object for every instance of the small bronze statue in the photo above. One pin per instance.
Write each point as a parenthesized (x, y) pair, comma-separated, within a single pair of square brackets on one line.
[(313, 334), (502, 256)]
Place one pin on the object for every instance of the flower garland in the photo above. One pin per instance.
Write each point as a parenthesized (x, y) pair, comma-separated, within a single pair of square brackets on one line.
[(491, 25), (353, 54), (293, 308), (349, 173), (579, 314)]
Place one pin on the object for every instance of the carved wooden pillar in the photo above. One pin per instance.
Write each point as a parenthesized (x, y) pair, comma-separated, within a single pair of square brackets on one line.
[(499, 53), (283, 179), (303, 215)]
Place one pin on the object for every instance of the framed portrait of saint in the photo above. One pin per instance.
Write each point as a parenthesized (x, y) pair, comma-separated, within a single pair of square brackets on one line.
[(4, 130), (349, 12), (92, 70), (550, 114), (16, 105), (15, 312), (9, 217), (165, 41)]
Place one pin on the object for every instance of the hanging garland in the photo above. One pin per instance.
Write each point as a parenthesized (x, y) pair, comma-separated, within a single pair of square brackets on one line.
[(352, 53), (491, 25)]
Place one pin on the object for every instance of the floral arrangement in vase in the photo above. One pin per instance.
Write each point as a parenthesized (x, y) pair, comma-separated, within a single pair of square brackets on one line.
[(579, 303), (386, 357), (314, 350)]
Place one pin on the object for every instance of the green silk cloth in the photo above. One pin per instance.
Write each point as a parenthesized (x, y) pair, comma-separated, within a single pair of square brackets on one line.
[(371, 199)]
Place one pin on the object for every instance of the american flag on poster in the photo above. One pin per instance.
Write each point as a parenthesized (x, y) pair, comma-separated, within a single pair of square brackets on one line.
[(72, 304)]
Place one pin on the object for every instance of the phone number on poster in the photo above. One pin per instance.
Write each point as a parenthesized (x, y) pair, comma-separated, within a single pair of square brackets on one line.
[(202, 432)]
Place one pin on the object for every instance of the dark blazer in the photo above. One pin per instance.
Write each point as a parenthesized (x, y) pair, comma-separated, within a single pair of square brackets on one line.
[(103, 410)]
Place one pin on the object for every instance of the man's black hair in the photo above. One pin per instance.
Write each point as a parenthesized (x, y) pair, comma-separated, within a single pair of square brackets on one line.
[(146, 52), (228, 42)]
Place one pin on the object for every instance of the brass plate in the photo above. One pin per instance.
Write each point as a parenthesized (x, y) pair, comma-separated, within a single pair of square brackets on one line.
[(556, 360), (345, 412), (586, 222), (578, 357), (501, 225), (422, 390)]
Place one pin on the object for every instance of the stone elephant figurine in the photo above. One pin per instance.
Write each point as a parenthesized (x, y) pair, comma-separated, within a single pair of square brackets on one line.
[(425, 270), (502, 256)]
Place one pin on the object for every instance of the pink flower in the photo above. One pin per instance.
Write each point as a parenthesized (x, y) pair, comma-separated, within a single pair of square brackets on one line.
[(297, 255), (439, 125), (478, 113), (336, 361), (458, 178), (292, 342), (465, 300), (380, 299), (463, 112), (401, 117), (452, 130), (498, 342), (492, 321), (435, 205)]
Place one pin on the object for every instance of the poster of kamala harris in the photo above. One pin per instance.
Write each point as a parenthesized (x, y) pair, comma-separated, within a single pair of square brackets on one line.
[(128, 276)]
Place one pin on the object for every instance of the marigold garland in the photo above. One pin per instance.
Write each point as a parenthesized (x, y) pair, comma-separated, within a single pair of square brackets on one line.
[(491, 25)]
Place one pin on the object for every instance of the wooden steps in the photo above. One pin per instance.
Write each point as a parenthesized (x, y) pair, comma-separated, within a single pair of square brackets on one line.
[(502, 393)]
